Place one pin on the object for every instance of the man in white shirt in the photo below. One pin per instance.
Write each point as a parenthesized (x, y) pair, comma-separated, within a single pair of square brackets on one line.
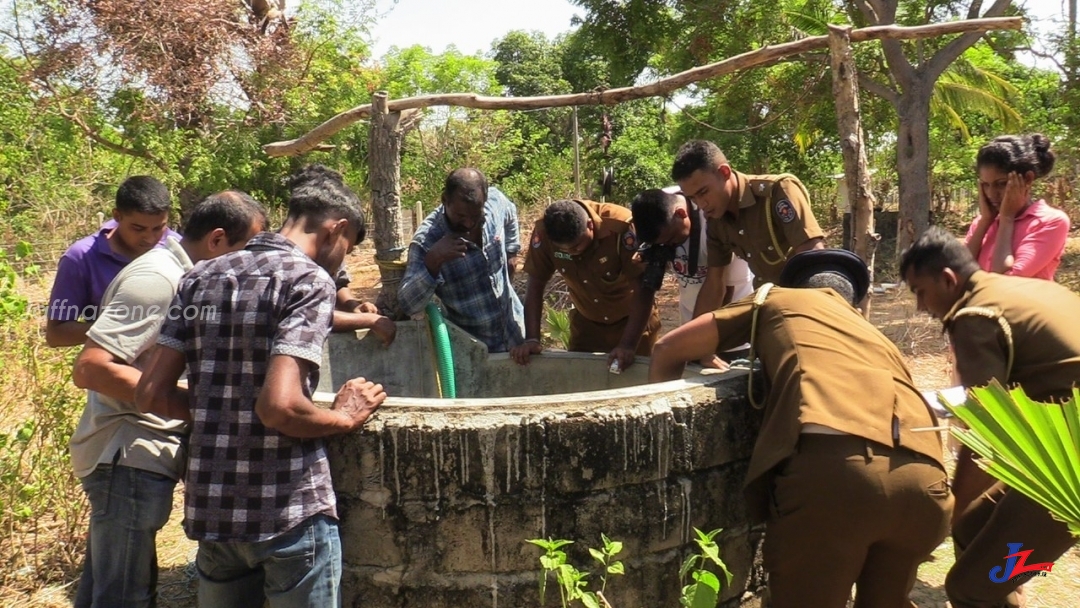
[(666, 220)]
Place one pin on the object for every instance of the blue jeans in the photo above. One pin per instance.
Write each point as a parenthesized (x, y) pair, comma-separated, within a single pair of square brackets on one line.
[(127, 508), (298, 569)]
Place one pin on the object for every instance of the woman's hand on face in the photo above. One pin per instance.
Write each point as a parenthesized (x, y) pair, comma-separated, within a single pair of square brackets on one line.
[(1016, 195), (987, 213)]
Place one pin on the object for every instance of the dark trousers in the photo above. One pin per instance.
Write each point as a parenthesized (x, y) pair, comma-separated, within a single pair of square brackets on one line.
[(982, 534), (847, 511), (587, 336)]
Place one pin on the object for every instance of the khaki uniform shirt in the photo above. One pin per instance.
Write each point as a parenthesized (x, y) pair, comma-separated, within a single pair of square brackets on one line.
[(601, 280), (823, 364), (1046, 339), (763, 199)]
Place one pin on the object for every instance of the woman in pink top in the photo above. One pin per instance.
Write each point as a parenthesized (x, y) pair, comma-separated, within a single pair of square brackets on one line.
[(1013, 234)]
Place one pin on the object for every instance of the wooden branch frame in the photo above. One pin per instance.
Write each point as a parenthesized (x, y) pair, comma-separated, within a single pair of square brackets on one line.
[(752, 59)]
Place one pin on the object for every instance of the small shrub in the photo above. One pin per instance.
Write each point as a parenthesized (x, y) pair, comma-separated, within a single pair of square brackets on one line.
[(558, 323), (703, 592), (42, 505), (572, 582)]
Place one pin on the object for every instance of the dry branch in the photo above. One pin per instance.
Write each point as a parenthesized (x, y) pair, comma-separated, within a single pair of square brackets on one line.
[(752, 59)]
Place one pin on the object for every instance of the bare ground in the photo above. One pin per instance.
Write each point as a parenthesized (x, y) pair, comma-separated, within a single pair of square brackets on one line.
[(918, 337)]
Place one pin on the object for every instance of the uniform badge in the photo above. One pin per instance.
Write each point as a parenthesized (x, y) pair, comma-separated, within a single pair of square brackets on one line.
[(559, 255), (761, 187), (535, 241), (629, 240), (785, 211), (603, 260)]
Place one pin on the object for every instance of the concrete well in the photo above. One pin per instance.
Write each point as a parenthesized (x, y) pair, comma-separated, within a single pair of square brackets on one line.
[(437, 496)]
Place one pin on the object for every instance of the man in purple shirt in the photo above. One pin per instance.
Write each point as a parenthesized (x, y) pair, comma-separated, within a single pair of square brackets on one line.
[(141, 216)]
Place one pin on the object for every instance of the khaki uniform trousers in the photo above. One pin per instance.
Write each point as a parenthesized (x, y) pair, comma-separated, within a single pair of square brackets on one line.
[(982, 533), (588, 336), (848, 511)]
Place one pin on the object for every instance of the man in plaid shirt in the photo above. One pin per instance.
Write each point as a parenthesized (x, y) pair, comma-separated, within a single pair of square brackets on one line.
[(258, 494), (464, 252)]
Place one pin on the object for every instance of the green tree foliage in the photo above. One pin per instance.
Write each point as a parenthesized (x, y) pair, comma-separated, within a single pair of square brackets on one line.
[(781, 117), (631, 33), (193, 107), (621, 140), (49, 170), (416, 71), (529, 64)]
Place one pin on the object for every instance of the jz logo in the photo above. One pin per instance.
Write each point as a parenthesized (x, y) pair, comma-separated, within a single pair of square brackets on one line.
[(1016, 565)]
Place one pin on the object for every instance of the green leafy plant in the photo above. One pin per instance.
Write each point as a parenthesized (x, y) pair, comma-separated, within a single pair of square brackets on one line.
[(13, 305), (572, 582), (558, 322), (704, 592), (1031, 446)]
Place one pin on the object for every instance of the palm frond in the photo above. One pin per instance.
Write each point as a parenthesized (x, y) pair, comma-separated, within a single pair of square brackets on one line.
[(1033, 447), (966, 88), (808, 23)]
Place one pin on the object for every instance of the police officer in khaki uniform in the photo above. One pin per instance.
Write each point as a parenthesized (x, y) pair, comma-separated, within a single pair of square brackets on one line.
[(764, 219), (592, 247), (1020, 331), (849, 493)]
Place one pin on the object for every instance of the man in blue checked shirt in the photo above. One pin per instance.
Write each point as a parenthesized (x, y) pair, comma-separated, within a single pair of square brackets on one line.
[(464, 252)]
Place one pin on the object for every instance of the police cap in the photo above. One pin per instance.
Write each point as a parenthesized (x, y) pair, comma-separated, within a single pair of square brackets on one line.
[(804, 265)]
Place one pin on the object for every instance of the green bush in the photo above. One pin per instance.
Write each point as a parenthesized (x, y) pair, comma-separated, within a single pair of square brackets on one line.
[(42, 505)]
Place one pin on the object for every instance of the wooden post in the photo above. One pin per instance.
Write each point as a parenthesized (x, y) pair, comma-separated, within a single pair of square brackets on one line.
[(860, 196), (384, 170), (417, 215), (577, 158)]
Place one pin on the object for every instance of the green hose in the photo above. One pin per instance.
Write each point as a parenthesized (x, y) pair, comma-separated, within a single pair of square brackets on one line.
[(444, 355)]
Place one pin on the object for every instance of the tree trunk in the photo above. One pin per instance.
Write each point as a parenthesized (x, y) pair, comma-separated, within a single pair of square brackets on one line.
[(913, 163), (1070, 49), (384, 171), (860, 195)]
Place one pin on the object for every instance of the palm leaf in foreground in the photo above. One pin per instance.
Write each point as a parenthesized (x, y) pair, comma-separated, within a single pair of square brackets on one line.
[(1033, 447)]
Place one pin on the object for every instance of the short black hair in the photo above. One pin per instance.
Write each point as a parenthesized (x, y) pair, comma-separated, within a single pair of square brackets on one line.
[(694, 155), (466, 184), (935, 250), (565, 221), (232, 210), (1020, 153), (652, 211), (319, 193), (143, 194)]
